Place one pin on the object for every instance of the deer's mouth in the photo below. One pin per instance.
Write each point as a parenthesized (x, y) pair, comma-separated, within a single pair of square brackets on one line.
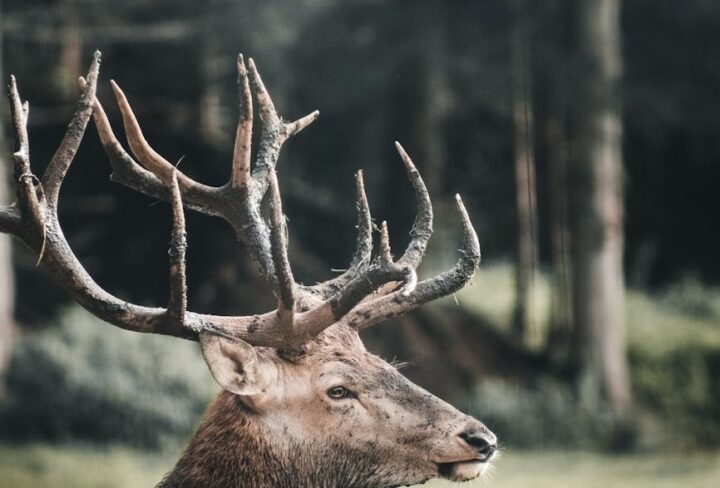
[(462, 470)]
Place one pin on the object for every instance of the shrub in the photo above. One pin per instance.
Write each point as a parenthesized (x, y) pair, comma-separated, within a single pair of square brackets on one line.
[(675, 361), (673, 340), (84, 380), (682, 389), (547, 415)]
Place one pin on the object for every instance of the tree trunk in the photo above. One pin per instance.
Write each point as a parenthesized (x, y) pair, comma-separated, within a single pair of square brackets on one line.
[(7, 279), (211, 111), (525, 320), (7, 283), (560, 279), (433, 108), (597, 223), (71, 62)]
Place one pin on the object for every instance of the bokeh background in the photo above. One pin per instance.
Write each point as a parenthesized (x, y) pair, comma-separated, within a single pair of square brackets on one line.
[(584, 136)]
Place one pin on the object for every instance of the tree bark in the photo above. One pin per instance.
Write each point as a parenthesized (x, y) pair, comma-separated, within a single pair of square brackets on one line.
[(525, 320), (597, 181), (561, 317)]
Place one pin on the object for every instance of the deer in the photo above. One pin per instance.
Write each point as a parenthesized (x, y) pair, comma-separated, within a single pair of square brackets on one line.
[(302, 402)]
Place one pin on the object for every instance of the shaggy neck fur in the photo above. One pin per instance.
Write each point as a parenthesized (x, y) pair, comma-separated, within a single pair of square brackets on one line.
[(229, 450)]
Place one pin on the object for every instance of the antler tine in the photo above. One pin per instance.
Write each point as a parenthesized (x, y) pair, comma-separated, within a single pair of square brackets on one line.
[(420, 233), (375, 310), (386, 258), (423, 227), (177, 304), (119, 158), (31, 199), (19, 117), (129, 173), (150, 158), (363, 247), (266, 107), (243, 138), (279, 246), (274, 132), (63, 157), (385, 253), (292, 128), (139, 146)]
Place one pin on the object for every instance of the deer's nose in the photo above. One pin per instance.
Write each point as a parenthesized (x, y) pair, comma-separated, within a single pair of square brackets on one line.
[(483, 442)]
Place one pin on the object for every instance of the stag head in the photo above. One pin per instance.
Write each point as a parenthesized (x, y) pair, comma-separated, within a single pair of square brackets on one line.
[(303, 402)]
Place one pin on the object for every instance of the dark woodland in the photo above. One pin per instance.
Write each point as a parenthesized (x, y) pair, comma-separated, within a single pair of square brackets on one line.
[(583, 136)]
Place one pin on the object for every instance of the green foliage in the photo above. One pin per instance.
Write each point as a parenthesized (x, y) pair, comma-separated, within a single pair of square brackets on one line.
[(547, 415), (86, 380), (682, 389), (675, 360), (673, 339)]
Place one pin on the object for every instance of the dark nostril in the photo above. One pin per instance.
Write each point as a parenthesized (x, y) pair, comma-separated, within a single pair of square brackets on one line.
[(479, 442)]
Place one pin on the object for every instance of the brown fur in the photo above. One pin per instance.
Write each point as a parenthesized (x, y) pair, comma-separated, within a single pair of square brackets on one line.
[(230, 451), (390, 433)]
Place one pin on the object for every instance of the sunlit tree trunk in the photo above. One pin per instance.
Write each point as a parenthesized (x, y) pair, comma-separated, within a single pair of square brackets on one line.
[(71, 61), (597, 223), (525, 322), (7, 283), (211, 112)]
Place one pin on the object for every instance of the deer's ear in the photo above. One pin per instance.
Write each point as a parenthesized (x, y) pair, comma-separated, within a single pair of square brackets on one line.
[(236, 366)]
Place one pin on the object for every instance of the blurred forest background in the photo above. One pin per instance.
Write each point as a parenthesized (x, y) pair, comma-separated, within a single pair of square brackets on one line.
[(583, 135)]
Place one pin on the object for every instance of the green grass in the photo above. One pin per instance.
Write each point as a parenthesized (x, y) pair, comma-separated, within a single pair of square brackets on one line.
[(36, 466), (522, 469)]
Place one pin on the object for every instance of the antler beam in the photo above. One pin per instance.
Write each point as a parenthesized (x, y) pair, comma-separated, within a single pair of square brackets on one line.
[(371, 289), (377, 309)]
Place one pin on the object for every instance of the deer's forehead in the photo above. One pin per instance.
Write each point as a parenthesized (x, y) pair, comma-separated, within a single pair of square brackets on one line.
[(365, 369)]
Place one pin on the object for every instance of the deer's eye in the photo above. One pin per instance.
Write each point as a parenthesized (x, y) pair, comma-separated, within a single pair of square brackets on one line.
[(338, 392)]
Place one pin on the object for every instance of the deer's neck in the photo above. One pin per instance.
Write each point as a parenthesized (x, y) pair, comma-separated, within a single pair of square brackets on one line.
[(223, 452), (231, 449)]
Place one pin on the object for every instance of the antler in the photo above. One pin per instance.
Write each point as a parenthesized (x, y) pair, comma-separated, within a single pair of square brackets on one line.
[(371, 289)]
